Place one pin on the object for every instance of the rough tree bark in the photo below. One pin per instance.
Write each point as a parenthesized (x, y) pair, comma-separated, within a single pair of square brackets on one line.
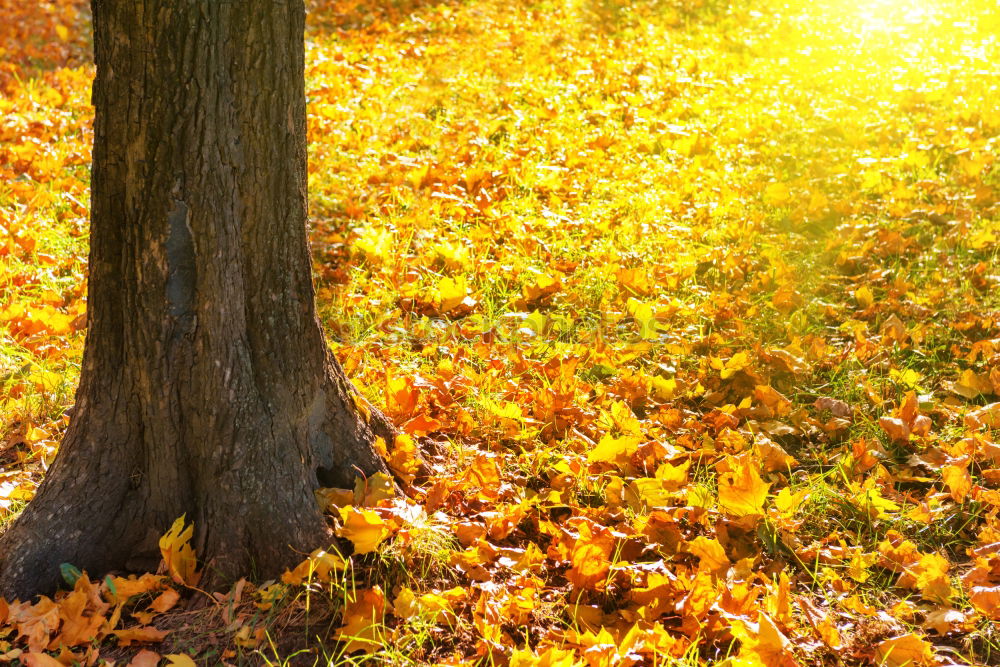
[(207, 387)]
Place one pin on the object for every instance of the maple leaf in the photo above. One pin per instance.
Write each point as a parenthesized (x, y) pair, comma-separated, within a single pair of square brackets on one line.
[(909, 649), (362, 621), (403, 459), (121, 589), (35, 622), (145, 658), (987, 416), (742, 491), (365, 528), (82, 614), (178, 556), (140, 634), (590, 556), (613, 450), (982, 584), (319, 566), (763, 644), (165, 601), (712, 556), (956, 477), (40, 660)]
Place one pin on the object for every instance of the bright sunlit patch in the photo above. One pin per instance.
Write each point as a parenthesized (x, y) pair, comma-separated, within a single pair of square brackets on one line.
[(894, 15)]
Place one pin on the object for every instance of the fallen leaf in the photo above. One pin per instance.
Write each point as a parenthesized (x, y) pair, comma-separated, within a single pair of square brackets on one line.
[(365, 528), (742, 491), (362, 628), (144, 633), (178, 556), (145, 658), (905, 650)]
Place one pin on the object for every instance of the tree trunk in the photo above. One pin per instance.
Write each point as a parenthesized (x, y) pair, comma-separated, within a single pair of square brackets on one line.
[(207, 387)]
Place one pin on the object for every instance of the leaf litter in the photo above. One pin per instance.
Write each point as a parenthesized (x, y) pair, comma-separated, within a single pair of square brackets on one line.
[(686, 311)]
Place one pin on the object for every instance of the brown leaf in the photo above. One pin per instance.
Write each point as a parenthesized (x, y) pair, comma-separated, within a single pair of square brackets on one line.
[(834, 406), (145, 658), (145, 633)]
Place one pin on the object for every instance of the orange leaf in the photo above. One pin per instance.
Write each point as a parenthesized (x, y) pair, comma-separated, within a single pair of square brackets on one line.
[(144, 633), (590, 557), (712, 556), (165, 601), (988, 416), (81, 613), (35, 622), (40, 660), (363, 615), (127, 588)]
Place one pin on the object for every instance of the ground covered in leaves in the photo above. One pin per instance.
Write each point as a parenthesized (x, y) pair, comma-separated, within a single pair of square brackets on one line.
[(689, 311)]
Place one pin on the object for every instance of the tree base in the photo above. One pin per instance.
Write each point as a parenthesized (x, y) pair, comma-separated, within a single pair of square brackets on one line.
[(248, 487)]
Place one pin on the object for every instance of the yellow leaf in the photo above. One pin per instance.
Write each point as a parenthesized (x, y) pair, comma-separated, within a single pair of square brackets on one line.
[(179, 660), (777, 194), (178, 555), (988, 416), (664, 388), (742, 491), (971, 385), (613, 450), (982, 584), (958, 480), (763, 644), (364, 528), (551, 657), (645, 493), (430, 607), (932, 578), (817, 202), (368, 491), (82, 614), (540, 286), (451, 293), (907, 377), (907, 650), (330, 499), (734, 365), (404, 460), (318, 567), (673, 477), (126, 588), (864, 296)]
